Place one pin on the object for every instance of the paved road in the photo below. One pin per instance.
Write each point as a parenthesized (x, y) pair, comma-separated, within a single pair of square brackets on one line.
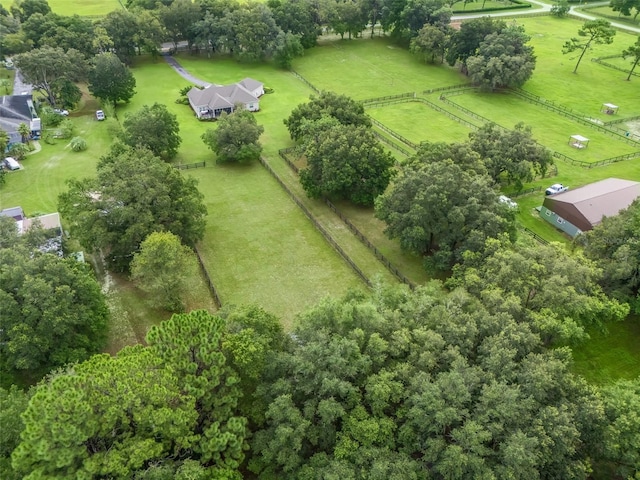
[(546, 7), (20, 86), (183, 73)]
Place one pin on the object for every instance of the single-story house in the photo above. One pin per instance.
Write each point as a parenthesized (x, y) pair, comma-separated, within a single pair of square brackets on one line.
[(17, 109), (582, 209), (49, 222), (14, 212), (210, 102)]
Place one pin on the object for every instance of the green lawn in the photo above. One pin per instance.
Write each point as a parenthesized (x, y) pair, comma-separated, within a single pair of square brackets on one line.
[(259, 247), (417, 122), (366, 68), (607, 12), (84, 7), (550, 129), (607, 357), (6, 76)]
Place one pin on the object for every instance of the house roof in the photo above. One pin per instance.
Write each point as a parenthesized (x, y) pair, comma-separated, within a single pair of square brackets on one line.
[(14, 110), (250, 84), (48, 222), (221, 96), (600, 199), (14, 212)]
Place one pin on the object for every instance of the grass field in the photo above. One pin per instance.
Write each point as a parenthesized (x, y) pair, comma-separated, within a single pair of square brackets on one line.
[(417, 122), (84, 7), (367, 68), (607, 12), (607, 357)]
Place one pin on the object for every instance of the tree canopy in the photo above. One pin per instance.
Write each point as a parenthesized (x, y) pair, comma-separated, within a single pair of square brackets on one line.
[(236, 138), (133, 195), (111, 80), (442, 210), (344, 109), (53, 311), (153, 127), (596, 32), (344, 162)]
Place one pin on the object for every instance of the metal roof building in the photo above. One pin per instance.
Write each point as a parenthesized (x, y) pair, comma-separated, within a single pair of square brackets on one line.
[(585, 207)]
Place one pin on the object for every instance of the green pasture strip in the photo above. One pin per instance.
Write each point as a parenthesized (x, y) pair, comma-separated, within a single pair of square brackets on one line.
[(418, 123), (607, 12), (84, 7), (550, 129), (36, 187), (339, 231), (607, 357), (366, 68), (7, 76), (574, 177), (258, 247), (593, 84), (364, 219)]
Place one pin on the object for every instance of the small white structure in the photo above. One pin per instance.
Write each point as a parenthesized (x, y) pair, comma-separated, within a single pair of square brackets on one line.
[(214, 100), (609, 108), (578, 141)]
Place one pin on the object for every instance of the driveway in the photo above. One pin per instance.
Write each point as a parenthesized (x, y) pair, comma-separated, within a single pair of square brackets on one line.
[(183, 73), (20, 86)]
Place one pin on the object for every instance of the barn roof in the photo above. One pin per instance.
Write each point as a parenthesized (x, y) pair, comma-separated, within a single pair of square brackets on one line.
[(597, 200)]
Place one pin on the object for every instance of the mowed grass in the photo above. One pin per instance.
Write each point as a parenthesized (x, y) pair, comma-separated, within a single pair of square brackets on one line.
[(258, 247), (593, 84), (550, 129), (366, 68), (611, 356), (84, 7), (417, 122)]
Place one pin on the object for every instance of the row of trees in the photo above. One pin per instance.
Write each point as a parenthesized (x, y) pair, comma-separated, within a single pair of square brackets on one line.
[(390, 385)]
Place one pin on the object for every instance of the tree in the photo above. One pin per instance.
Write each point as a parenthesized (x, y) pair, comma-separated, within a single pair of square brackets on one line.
[(556, 293), (418, 13), (503, 60), (53, 311), (466, 41), (111, 80), (422, 385), (560, 8), (164, 268), (236, 139), (31, 7), (510, 155), (430, 43), (4, 140), (626, 7), (25, 132), (133, 195), (166, 408), (615, 245), (153, 127), (622, 433), (443, 210), (66, 93), (634, 52), (299, 17), (346, 110), (178, 19), (287, 47), (122, 28), (13, 402), (345, 162), (45, 66), (596, 32), (248, 34)]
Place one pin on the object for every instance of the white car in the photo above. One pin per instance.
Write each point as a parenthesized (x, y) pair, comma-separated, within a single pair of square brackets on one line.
[(100, 115), (64, 113), (556, 188), (507, 201)]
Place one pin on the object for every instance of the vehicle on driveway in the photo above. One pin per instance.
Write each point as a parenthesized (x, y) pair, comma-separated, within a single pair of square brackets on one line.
[(507, 201), (100, 115), (556, 188), (64, 113)]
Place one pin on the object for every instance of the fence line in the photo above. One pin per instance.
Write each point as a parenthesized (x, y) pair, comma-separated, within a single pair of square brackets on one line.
[(210, 285), (451, 115), (622, 120), (461, 86), (394, 134), (320, 228), (522, 193), (615, 67), (535, 236), (388, 97), (304, 80), (389, 143), (188, 166), (385, 261), (606, 161)]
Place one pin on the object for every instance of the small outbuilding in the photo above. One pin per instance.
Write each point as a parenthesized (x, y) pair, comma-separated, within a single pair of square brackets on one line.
[(578, 141), (609, 108), (582, 209)]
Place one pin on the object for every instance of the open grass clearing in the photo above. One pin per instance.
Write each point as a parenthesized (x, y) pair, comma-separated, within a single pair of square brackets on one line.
[(367, 68), (593, 84), (550, 129), (92, 8), (607, 357), (418, 123), (607, 12)]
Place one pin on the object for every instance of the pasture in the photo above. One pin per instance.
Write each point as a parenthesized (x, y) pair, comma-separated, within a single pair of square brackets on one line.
[(90, 8)]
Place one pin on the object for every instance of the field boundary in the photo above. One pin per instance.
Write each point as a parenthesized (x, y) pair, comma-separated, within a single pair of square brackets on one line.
[(189, 166), (210, 285), (601, 61), (328, 237), (354, 230)]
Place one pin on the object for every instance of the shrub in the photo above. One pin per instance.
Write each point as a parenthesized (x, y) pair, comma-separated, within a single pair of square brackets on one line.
[(65, 130), (49, 117), (268, 90), (78, 144), (18, 151)]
